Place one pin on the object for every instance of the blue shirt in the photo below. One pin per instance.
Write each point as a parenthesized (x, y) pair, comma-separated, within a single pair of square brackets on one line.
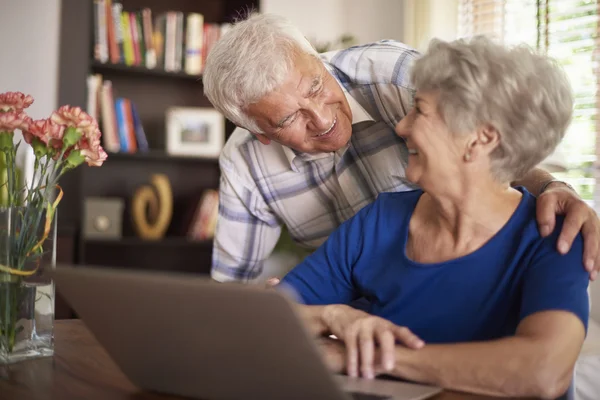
[(480, 296)]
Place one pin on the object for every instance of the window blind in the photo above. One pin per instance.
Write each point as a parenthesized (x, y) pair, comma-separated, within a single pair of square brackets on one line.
[(568, 31)]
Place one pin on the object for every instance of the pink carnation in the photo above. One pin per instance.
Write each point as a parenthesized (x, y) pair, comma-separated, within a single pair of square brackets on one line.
[(94, 158), (14, 101), (54, 133), (75, 117), (90, 138), (90, 148), (47, 131), (9, 121)]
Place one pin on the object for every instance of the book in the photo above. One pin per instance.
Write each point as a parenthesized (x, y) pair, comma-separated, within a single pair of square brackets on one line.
[(140, 135), (193, 43), (148, 38), (110, 133), (203, 224)]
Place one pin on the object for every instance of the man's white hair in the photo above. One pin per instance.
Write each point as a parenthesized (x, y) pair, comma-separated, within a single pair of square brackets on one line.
[(250, 61), (524, 95)]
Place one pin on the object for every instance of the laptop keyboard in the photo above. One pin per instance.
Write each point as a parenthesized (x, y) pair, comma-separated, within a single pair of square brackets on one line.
[(367, 396)]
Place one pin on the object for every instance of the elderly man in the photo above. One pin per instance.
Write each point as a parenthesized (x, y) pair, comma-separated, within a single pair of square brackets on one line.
[(316, 143)]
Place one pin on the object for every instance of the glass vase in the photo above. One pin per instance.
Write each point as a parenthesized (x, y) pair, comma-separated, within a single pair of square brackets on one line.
[(27, 252)]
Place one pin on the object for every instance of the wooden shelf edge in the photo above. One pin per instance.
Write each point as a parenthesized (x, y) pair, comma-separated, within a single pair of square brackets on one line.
[(141, 71), (134, 241), (157, 155)]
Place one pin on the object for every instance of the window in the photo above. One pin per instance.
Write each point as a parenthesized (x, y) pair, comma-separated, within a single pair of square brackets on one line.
[(568, 31)]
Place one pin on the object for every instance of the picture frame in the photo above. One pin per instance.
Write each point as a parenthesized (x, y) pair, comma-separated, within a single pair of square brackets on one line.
[(194, 132)]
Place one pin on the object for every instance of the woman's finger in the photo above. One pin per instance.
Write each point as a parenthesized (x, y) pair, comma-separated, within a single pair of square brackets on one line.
[(272, 282), (387, 346), (409, 339), (366, 344), (350, 340)]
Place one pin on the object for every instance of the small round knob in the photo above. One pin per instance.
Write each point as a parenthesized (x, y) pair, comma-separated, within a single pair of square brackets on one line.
[(102, 223)]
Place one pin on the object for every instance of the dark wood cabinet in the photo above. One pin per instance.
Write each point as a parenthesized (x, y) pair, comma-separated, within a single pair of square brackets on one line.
[(152, 91)]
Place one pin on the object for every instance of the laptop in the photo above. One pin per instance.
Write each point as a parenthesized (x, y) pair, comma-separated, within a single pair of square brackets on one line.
[(187, 335)]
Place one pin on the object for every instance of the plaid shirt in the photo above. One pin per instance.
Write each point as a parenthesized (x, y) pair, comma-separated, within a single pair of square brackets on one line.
[(263, 187)]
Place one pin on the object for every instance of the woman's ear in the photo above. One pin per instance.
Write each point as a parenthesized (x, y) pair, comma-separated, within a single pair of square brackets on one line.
[(484, 141), (488, 138)]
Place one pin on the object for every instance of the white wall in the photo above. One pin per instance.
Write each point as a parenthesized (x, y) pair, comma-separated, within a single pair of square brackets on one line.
[(317, 19), (29, 63), (327, 20), (374, 20), (30, 32)]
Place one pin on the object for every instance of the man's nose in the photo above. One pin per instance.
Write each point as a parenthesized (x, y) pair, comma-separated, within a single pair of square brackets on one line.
[(321, 116), (404, 126)]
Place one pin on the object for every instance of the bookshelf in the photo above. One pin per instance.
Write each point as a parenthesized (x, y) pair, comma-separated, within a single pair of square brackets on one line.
[(135, 72), (152, 91), (158, 156)]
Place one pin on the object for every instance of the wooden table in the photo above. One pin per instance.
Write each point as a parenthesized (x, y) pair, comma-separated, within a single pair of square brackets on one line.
[(81, 369)]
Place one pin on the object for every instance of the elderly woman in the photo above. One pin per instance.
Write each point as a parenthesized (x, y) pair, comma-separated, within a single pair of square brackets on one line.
[(464, 291)]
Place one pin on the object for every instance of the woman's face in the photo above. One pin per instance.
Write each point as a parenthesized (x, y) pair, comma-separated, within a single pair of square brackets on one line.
[(436, 155)]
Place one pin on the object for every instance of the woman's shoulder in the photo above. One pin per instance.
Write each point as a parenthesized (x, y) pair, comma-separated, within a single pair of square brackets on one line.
[(391, 205), (407, 198)]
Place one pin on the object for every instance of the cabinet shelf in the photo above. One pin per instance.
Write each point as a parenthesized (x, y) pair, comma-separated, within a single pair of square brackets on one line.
[(107, 68), (138, 242), (170, 254), (157, 155), (153, 91)]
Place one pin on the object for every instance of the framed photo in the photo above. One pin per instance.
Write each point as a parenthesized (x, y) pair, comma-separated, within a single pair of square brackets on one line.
[(194, 131)]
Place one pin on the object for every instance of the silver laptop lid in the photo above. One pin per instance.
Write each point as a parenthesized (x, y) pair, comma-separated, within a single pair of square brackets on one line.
[(189, 336)]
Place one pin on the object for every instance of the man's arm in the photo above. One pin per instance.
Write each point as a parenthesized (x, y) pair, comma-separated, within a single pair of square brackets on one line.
[(534, 180), (538, 361), (558, 198), (246, 232)]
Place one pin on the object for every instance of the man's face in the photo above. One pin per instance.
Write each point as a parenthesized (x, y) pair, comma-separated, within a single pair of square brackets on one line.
[(308, 112)]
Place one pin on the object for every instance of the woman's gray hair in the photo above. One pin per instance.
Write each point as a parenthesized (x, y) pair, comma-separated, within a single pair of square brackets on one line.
[(524, 95), (249, 61)]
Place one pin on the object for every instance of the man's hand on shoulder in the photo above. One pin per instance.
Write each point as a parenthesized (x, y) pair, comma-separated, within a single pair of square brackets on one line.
[(558, 198)]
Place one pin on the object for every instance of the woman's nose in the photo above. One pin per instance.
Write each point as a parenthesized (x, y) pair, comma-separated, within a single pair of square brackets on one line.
[(404, 126)]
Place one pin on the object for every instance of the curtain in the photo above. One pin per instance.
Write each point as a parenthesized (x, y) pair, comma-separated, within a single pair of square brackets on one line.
[(568, 31)]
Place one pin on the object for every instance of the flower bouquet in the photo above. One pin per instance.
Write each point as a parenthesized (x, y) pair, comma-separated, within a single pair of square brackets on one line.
[(60, 143)]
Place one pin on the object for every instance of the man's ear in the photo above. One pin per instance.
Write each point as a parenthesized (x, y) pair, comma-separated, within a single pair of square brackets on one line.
[(262, 138)]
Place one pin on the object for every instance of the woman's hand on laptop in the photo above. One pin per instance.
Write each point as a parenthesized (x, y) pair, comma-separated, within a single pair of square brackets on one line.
[(272, 282), (361, 332), (333, 352)]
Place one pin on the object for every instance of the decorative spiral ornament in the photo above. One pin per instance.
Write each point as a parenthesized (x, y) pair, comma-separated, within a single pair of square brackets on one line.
[(152, 208)]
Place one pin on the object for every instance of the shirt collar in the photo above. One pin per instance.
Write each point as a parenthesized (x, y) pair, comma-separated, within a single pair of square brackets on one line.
[(359, 114)]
